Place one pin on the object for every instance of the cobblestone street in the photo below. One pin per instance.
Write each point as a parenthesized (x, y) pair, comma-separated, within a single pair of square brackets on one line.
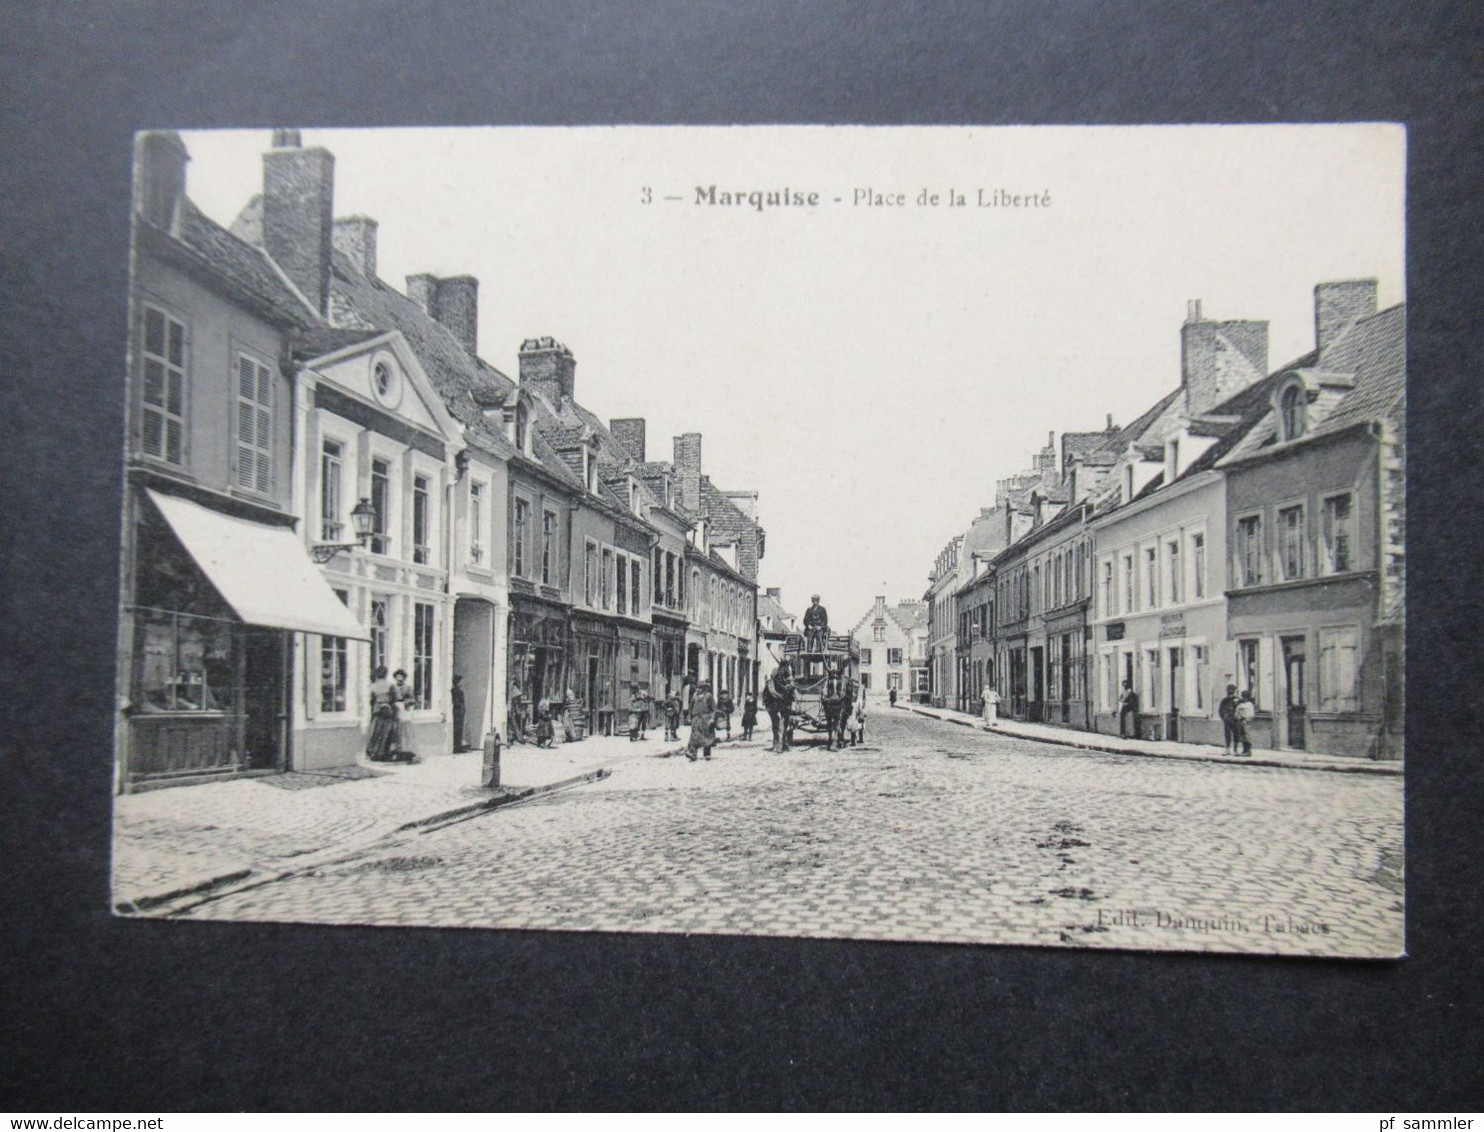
[(932, 832)]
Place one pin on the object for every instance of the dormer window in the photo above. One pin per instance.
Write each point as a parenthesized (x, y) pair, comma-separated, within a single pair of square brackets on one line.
[(590, 470), (522, 428), (1291, 412)]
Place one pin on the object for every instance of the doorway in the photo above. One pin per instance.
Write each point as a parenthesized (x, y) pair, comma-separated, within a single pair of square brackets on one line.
[(1295, 661), (264, 699), (1176, 692)]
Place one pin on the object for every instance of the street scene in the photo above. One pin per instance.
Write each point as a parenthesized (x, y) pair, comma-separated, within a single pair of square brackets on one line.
[(928, 831), (416, 630)]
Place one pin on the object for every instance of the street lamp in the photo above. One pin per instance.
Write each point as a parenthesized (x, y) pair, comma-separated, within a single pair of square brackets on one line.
[(363, 519)]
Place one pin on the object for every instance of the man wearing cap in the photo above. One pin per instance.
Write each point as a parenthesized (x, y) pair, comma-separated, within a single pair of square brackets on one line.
[(816, 625), (1227, 711)]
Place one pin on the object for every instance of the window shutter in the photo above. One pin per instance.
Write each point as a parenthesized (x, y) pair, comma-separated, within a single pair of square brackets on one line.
[(254, 426)]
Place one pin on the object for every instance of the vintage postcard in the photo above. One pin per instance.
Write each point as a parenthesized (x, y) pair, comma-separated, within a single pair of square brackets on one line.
[(956, 535)]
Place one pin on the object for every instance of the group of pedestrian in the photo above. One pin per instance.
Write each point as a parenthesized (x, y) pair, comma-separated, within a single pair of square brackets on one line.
[(390, 703), (1237, 712)]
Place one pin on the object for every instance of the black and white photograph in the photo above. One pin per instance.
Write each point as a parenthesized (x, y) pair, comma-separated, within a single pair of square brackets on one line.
[(950, 535)]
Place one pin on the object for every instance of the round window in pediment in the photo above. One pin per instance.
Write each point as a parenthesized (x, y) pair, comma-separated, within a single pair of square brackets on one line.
[(386, 380)]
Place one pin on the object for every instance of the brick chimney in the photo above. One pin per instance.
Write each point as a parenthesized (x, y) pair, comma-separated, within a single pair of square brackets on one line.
[(159, 176), (688, 470), (299, 213), (1219, 359), (1338, 305), (452, 301), (629, 433), (549, 368), (355, 238)]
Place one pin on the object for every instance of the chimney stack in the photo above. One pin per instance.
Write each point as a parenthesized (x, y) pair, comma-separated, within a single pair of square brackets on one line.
[(355, 238), (159, 176), (688, 470), (629, 433), (1219, 359), (1337, 306), (299, 214), (458, 309), (452, 302), (549, 368)]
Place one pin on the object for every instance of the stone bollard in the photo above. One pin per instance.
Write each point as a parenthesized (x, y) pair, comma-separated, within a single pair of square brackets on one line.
[(490, 779)]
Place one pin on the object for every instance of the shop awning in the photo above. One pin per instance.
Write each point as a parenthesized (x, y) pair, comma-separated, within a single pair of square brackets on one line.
[(264, 573)]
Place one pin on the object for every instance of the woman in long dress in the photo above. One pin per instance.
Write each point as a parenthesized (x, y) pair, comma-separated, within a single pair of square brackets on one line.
[(383, 739)]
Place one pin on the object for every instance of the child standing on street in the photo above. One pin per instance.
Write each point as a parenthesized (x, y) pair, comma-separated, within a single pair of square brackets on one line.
[(749, 715)]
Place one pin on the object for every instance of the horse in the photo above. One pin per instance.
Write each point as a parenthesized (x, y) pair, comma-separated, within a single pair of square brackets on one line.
[(778, 699)]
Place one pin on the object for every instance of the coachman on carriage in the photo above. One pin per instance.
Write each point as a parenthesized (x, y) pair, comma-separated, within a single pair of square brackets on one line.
[(823, 672)]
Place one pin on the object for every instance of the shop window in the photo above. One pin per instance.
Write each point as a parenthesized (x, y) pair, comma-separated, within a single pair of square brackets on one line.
[(1339, 669), (379, 628), (333, 662), (1337, 536), (1200, 661), (184, 664), (1249, 675), (1291, 542), (422, 655), (163, 390), (254, 425)]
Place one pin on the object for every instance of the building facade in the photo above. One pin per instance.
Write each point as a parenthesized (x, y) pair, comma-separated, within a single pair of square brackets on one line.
[(885, 639), (1315, 503), (217, 590)]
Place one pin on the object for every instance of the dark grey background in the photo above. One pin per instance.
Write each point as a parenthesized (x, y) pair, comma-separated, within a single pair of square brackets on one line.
[(106, 1015)]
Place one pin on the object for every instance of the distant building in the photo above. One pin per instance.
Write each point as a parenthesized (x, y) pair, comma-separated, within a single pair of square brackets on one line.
[(775, 624), (885, 636)]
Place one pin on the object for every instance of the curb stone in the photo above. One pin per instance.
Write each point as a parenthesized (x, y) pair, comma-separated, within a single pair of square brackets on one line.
[(247, 877), (1194, 755)]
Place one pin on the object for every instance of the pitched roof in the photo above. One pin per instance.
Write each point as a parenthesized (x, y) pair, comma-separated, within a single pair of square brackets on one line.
[(247, 266), (1373, 350)]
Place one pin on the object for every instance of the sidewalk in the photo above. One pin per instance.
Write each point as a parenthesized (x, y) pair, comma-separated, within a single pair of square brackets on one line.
[(1160, 749), (184, 839)]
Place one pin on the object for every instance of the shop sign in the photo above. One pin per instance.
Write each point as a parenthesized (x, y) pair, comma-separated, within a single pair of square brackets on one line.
[(1115, 630), (1172, 625)]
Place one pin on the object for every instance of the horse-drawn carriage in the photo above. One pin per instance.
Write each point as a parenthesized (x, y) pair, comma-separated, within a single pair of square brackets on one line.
[(826, 685)]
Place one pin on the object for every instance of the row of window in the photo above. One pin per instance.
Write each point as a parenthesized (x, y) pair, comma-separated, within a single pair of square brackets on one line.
[(335, 694), (893, 657), (1176, 677), (1295, 551), (533, 554), (669, 579), (334, 502), (1168, 571), (164, 399)]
